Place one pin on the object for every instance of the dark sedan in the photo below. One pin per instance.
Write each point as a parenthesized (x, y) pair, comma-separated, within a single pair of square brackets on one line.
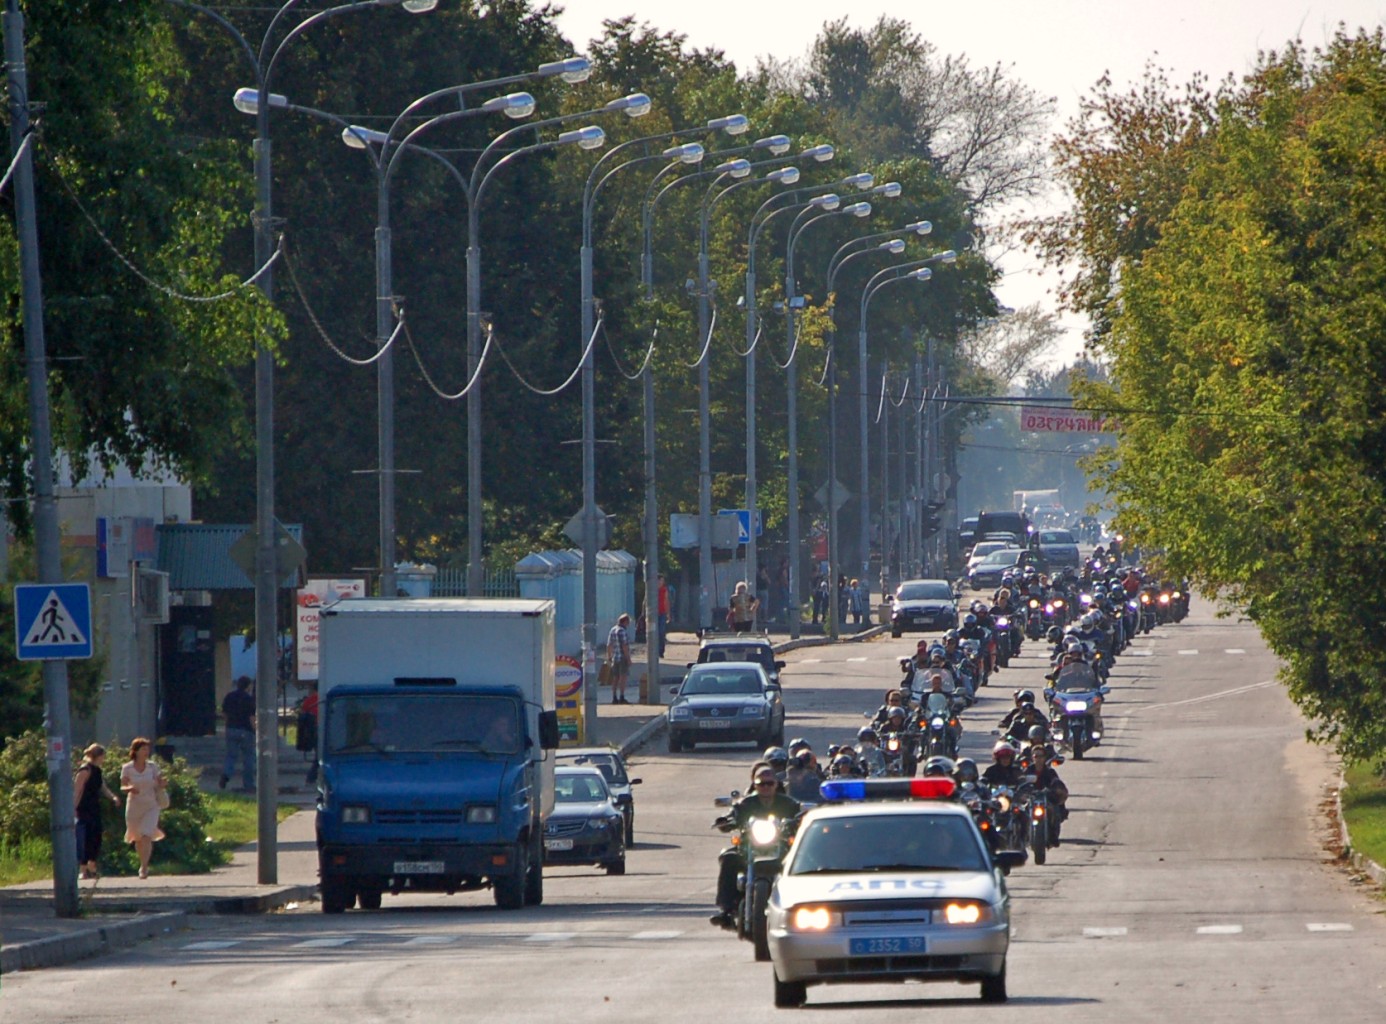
[(923, 605), (585, 827), (612, 765)]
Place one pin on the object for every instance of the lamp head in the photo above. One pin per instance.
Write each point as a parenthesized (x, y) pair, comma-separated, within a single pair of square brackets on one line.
[(895, 245), (920, 227), (890, 190), (822, 154), (247, 101), (776, 144), (516, 105), (784, 176), (732, 124), (412, 6), (857, 210), (637, 104), (586, 138), (572, 70), (922, 274), (361, 138), (947, 256), (692, 153), (735, 168), (830, 201), (861, 181)]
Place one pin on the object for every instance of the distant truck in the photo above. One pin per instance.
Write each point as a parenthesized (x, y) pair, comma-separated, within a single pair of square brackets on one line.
[(436, 717), (1043, 507)]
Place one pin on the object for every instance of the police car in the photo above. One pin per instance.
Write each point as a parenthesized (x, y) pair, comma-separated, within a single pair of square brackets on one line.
[(889, 880)]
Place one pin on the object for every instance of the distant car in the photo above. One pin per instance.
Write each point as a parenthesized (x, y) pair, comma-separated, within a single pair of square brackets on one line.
[(1059, 548), (890, 892), (985, 547), (923, 605), (585, 826), (740, 647), (967, 531), (612, 765), (723, 702), (988, 572)]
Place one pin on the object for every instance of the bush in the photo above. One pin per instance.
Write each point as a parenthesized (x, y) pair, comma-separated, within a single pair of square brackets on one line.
[(24, 810)]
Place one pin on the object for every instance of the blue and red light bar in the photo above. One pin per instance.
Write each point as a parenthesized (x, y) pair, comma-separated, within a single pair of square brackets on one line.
[(931, 787)]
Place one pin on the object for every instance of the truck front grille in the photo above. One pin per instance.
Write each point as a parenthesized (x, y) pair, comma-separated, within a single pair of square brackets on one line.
[(442, 816)]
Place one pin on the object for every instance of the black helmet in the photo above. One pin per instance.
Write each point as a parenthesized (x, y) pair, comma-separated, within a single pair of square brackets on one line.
[(777, 757), (1054, 635), (1022, 696), (844, 764), (798, 743), (1036, 734), (867, 733), (938, 765), (969, 619), (896, 712), (965, 770)]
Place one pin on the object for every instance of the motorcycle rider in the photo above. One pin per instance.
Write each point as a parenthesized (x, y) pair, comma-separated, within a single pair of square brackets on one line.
[(803, 778), (1019, 721), (767, 801), (778, 759), (1040, 758), (1003, 770), (973, 628), (869, 753), (892, 700)]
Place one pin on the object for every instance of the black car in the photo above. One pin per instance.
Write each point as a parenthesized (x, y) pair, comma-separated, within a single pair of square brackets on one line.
[(585, 827), (612, 765), (922, 605), (741, 647)]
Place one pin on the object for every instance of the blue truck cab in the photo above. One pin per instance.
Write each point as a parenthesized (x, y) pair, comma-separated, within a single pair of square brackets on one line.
[(436, 738)]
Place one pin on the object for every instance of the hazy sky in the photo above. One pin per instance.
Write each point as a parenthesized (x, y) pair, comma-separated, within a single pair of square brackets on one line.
[(1058, 47)]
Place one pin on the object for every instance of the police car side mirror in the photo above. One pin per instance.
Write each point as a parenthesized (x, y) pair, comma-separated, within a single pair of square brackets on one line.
[(635, 782)]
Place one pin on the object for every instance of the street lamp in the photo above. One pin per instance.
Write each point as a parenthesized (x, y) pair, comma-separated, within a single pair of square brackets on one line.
[(263, 60)]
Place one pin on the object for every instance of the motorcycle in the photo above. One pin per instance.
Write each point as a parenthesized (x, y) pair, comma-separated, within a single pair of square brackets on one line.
[(901, 752), (762, 844), (1075, 702), (1147, 603), (1010, 814), (1034, 619)]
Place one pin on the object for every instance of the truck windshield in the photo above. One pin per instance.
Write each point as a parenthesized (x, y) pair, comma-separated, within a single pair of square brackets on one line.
[(418, 722)]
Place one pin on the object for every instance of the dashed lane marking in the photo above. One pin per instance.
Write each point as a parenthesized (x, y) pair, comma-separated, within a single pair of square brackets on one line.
[(655, 936), (1219, 929), (213, 944), (1329, 927), (1187, 652), (810, 661), (858, 659), (550, 936), (327, 943), (1103, 933), (1138, 654), (1235, 650), (431, 940)]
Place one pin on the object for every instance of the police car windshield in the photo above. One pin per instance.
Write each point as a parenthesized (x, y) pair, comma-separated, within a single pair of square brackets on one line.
[(717, 683), (887, 842)]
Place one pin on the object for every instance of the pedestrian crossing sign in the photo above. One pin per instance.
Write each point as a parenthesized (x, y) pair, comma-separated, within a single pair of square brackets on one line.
[(52, 621)]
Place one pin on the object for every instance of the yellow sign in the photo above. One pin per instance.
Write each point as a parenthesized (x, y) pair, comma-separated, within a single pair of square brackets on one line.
[(567, 679)]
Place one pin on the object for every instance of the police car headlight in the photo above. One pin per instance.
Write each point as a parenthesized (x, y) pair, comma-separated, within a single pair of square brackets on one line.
[(356, 814), (965, 913), (811, 919), (764, 833)]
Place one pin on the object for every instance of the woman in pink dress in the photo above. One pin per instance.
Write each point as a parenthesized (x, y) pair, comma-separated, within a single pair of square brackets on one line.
[(142, 781)]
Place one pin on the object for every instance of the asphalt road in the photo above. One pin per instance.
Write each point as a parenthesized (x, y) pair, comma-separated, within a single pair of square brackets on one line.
[(1192, 885)]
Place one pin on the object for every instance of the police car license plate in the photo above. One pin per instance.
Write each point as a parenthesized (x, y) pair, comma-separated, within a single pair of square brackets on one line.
[(714, 723), (878, 947), (418, 867), (558, 844)]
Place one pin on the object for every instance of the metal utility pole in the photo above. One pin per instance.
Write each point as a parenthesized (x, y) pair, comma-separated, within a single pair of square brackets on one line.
[(885, 479), (917, 472), (47, 538)]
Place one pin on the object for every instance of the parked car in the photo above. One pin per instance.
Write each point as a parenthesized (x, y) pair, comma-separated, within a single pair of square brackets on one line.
[(585, 826), (723, 702), (740, 647), (612, 765), (1059, 548), (919, 605)]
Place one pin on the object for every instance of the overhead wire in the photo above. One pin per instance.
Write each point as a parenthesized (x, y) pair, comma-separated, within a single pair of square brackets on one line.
[(550, 392), (18, 155), (649, 354), (707, 344), (428, 378)]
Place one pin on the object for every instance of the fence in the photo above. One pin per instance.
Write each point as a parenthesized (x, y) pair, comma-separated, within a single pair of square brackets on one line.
[(497, 583)]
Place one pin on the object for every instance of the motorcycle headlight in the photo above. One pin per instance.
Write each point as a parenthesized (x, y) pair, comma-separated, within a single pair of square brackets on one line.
[(1164, 599), (1145, 599), (892, 744), (1177, 595), (936, 723), (1076, 705), (1004, 802), (1058, 604), (1034, 603), (1002, 623), (811, 919), (764, 832)]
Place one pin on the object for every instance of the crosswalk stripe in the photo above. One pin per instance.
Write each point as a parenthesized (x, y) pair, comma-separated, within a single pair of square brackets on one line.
[(431, 940), (1219, 929), (340, 940), (1103, 933), (655, 936), (1329, 927), (550, 936), (212, 944)]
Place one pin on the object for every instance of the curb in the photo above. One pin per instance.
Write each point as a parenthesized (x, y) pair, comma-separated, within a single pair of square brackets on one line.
[(64, 949), (643, 735), (1361, 862), (57, 950)]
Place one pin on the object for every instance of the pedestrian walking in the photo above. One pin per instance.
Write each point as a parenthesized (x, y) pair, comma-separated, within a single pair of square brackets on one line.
[(742, 612), (146, 794), (820, 597), (239, 708), (88, 789), (306, 735), (618, 657), (843, 600), (863, 603), (663, 607)]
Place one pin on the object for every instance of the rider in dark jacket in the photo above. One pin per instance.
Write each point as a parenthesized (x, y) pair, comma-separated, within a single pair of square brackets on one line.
[(767, 801)]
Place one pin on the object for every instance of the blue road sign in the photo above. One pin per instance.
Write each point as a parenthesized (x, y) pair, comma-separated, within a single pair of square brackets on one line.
[(743, 522), (52, 621)]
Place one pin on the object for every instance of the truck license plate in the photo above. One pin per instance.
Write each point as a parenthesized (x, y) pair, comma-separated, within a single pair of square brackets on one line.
[(714, 723), (877, 947), (558, 844), (418, 867)]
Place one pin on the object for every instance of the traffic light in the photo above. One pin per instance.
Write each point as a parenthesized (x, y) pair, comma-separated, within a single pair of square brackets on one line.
[(933, 517)]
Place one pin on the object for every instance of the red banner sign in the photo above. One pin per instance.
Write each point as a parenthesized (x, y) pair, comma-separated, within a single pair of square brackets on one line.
[(1061, 420)]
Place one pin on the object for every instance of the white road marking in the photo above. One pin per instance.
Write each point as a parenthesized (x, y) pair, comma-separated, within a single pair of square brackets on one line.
[(810, 661), (213, 944), (1235, 650), (340, 940), (431, 940), (1138, 654), (858, 659), (1187, 652), (1219, 929), (655, 936), (550, 936), (1329, 927), (1103, 933), (1199, 700)]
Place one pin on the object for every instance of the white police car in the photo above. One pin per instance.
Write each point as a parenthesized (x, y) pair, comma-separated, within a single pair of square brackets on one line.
[(889, 881)]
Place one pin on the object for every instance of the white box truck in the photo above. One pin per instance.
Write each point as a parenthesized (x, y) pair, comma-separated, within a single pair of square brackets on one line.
[(436, 725)]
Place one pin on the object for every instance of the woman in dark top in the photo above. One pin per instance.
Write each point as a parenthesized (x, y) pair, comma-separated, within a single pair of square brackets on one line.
[(88, 788)]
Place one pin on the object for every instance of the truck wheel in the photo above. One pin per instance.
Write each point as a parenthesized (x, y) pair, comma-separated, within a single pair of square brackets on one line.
[(369, 899), (509, 890), (630, 829), (534, 882), (335, 895), (617, 867)]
